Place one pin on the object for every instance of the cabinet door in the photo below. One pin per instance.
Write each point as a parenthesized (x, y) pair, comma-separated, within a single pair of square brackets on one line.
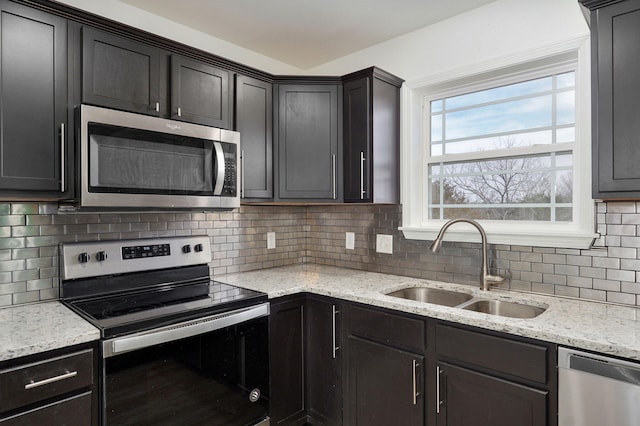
[(199, 93), (73, 411), (324, 357), (384, 385), (120, 73), (286, 362), (33, 112), (468, 398), (616, 108), (254, 118), (357, 140), (308, 163)]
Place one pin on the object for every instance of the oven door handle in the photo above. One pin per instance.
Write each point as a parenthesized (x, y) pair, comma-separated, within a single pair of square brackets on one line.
[(144, 339)]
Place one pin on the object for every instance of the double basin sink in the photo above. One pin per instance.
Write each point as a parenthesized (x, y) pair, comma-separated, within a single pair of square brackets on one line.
[(468, 302)]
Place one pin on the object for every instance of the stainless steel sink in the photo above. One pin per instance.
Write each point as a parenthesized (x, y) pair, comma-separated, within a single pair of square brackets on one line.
[(432, 295), (503, 308)]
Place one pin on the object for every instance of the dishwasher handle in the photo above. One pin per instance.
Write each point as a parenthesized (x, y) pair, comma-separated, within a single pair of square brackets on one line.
[(606, 367)]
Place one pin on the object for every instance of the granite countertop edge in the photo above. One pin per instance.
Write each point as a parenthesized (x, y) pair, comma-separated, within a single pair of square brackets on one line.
[(40, 327), (594, 326)]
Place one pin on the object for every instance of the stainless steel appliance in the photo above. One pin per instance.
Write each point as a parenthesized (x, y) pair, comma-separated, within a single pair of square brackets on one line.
[(595, 390), (177, 348), (136, 161)]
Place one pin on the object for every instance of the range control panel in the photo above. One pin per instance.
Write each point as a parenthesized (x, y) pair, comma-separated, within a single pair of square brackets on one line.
[(153, 250), (96, 258)]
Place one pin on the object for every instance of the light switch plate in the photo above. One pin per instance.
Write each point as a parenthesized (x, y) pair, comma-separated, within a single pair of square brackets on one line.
[(384, 243), (350, 240), (271, 240)]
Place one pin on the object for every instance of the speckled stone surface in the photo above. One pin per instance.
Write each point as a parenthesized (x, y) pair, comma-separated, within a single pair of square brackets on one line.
[(30, 329), (600, 327)]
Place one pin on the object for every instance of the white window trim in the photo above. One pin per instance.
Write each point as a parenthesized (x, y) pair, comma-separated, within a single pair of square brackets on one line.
[(578, 234)]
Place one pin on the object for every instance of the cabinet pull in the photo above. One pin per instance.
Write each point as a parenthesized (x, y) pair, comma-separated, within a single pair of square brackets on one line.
[(179, 112), (438, 400), (63, 159), (415, 382), (242, 173), (333, 330), (157, 106), (67, 375), (362, 191), (335, 177)]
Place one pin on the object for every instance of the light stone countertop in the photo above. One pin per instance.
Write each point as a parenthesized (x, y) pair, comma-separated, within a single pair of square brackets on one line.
[(600, 327), (40, 327)]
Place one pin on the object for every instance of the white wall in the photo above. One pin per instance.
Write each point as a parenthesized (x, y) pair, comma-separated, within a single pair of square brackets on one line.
[(498, 29), (126, 14)]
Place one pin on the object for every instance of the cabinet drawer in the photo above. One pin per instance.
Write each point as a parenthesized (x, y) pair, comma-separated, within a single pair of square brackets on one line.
[(383, 326), (31, 383), (520, 359), (74, 411)]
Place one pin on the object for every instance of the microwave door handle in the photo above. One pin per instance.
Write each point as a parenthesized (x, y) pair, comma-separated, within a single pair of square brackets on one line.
[(219, 182)]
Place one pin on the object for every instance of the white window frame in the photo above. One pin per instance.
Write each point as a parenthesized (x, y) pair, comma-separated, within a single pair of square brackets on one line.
[(580, 233)]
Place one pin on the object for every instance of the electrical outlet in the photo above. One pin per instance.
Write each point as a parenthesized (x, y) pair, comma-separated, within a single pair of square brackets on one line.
[(350, 241), (271, 240), (384, 243)]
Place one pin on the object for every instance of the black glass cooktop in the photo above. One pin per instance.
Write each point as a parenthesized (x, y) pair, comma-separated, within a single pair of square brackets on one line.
[(144, 309)]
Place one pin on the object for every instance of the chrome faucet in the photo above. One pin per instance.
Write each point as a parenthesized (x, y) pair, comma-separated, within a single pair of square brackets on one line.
[(486, 279)]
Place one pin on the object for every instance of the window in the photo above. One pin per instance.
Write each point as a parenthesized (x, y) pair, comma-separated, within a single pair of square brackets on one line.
[(507, 147)]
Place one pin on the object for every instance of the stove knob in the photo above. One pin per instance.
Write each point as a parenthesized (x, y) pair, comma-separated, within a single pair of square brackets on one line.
[(198, 248), (186, 249), (83, 257), (101, 256)]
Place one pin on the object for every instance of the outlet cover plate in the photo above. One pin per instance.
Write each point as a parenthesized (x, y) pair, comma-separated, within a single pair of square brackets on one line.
[(384, 243), (350, 240), (271, 240)]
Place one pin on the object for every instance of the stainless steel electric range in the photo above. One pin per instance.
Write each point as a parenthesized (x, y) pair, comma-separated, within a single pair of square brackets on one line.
[(177, 348)]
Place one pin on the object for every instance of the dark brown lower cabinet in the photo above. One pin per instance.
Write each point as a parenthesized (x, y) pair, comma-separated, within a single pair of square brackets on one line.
[(305, 361), (340, 363), (469, 398), (286, 361), (54, 388), (324, 360), (384, 385)]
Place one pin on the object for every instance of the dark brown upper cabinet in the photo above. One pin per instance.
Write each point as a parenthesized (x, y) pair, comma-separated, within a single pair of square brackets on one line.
[(615, 31), (309, 142), (34, 129), (120, 73), (371, 137), (128, 75), (254, 121), (199, 92)]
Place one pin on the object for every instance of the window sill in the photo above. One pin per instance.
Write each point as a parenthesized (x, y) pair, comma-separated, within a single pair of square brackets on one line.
[(518, 235)]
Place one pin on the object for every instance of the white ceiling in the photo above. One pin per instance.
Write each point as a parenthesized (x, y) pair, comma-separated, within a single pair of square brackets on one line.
[(306, 33)]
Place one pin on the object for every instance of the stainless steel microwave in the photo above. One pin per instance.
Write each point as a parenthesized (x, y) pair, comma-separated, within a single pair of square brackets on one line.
[(136, 161)]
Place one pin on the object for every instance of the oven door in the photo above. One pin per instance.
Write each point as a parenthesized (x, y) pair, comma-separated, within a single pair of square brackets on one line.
[(185, 375)]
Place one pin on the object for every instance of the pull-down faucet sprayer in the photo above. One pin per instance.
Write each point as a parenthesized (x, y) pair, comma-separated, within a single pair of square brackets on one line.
[(486, 279)]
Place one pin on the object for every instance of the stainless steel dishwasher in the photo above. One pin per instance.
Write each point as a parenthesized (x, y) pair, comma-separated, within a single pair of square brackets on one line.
[(596, 391)]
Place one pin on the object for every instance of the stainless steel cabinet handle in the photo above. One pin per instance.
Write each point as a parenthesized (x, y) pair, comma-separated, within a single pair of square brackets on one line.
[(438, 401), (242, 173), (335, 177), (179, 112), (333, 328), (67, 375), (362, 191), (415, 382), (157, 107), (63, 159)]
